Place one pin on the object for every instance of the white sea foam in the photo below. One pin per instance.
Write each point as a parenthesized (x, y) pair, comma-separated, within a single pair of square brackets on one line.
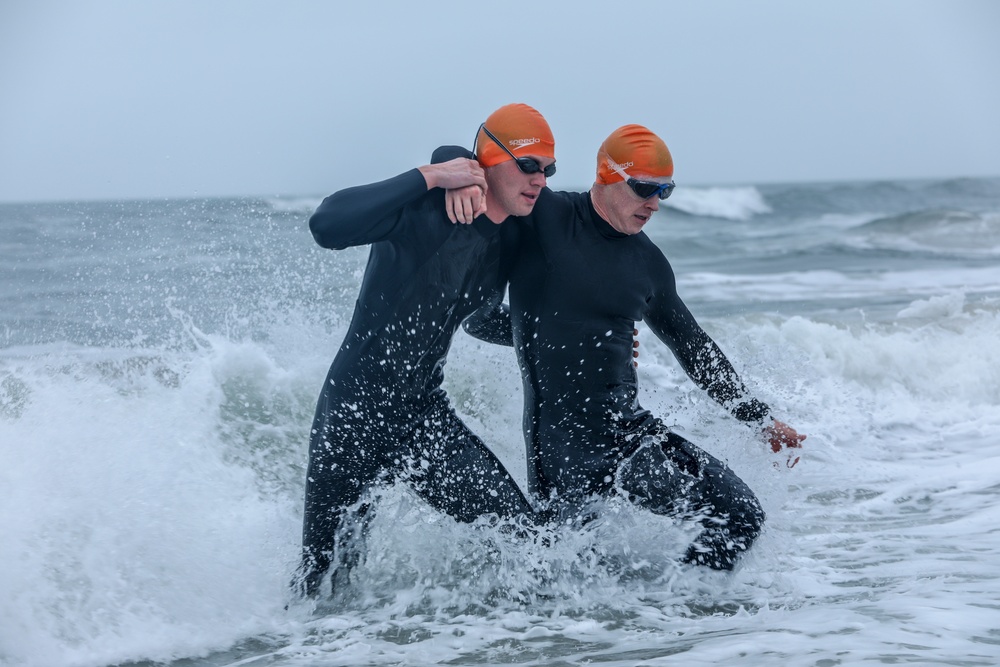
[(803, 285), (935, 232), (936, 307), (157, 516), (737, 203), (132, 526)]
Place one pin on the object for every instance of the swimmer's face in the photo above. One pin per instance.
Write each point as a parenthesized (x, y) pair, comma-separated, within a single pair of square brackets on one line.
[(512, 191), (628, 212)]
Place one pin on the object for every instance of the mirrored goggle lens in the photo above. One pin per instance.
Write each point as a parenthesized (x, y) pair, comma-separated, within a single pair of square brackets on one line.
[(529, 166), (647, 189)]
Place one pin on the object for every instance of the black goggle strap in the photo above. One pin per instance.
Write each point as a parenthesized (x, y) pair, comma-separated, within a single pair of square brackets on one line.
[(475, 142)]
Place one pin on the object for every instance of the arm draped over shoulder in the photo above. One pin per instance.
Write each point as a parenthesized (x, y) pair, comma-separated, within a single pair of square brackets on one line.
[(366, 213)]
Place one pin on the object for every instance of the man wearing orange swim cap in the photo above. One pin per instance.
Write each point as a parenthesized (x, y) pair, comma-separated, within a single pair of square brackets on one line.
[(638, 159), (516, 149), (382, 414), (583, 275)]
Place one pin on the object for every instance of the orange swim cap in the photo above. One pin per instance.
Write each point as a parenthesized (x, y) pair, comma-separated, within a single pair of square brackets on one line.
[(635, 150), (521, 129)]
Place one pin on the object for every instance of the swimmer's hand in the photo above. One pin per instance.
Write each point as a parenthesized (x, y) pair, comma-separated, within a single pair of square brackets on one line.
[(465, 204), (635, 348), (452, 174), (782, 436)]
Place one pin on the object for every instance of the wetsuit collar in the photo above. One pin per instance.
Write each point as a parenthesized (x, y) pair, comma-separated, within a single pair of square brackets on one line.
[(603, 226), (487, 227)]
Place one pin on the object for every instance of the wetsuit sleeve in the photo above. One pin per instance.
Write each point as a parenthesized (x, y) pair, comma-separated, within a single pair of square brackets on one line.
[(491, 323), (366, 213), (445, 153), (699, 356)]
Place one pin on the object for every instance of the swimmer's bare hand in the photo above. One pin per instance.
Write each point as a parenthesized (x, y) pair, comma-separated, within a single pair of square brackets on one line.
[(465, 204), (782, 436), (635, 348), (453, 174)]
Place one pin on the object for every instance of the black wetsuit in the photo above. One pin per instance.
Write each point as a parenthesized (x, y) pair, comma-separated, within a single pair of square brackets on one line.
[(577, 288), (382, 414)]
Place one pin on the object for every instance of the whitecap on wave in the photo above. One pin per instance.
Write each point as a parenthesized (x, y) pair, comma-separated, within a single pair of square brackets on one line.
[(730, 203), (939, 232)]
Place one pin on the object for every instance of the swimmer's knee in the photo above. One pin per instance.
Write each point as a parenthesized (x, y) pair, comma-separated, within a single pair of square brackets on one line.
[(725, 540)]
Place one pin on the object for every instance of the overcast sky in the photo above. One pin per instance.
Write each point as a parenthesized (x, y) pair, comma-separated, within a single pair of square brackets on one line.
[(133, 99)]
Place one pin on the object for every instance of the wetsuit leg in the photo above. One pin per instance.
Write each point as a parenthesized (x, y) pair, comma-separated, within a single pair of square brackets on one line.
[(455, 472), (447, 465), (346, 457), (669, 475)]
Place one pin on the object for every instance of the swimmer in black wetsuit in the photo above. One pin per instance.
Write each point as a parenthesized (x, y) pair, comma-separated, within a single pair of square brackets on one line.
[(382, 414), (584, 274)]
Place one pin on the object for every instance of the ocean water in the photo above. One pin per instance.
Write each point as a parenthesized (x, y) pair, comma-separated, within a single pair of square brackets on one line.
[(159, 363)]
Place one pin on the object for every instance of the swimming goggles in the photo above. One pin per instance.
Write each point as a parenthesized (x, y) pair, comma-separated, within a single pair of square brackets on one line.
[(525, 164), (644, 189)]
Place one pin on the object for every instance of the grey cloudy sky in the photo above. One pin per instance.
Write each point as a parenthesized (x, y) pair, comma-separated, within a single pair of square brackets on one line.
[(103, 99)]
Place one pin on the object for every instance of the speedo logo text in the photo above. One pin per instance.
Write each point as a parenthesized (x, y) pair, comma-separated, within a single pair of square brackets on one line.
[(521, 143), (622, 165)]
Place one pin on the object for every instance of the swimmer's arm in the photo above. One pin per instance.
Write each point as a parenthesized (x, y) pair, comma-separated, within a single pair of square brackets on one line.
[(491, 323), (704, 362), (365, 213), (669, 318), (369, 213), (461, 204), (452, 174)]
